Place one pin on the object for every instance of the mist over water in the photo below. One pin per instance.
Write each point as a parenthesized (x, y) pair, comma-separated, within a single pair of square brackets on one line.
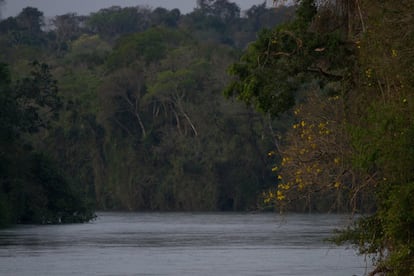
[(181, 244)]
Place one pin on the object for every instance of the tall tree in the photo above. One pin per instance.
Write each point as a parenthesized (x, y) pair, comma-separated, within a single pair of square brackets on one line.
[(31, 19), (368, 147), (33, 188), (67, 29)]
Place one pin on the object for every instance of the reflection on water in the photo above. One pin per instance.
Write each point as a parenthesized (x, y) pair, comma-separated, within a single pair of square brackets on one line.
[(180, 244)]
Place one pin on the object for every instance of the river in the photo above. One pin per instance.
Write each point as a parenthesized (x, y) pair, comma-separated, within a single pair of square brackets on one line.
[(181, 244)]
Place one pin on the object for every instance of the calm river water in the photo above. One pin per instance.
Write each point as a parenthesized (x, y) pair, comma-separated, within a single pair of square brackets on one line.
[(180, 244)]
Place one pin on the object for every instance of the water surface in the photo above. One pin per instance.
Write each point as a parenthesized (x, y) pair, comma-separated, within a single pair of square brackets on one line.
[(181, 244)]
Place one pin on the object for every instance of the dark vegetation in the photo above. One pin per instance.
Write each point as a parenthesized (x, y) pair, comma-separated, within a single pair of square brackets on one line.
[(123, 109), (344, 71)]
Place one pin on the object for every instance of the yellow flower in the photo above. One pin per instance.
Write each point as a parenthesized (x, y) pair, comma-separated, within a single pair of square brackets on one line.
[(284, 186), (280, 195), (279, 177), (275, 168), (285, 160), (337, 184)]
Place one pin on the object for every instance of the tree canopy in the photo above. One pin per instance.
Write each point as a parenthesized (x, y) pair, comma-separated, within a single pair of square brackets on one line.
[(32, 188), (124, 110), (343, 65)]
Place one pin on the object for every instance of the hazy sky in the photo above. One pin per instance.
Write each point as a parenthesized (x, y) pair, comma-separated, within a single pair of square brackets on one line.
[(84, 7)]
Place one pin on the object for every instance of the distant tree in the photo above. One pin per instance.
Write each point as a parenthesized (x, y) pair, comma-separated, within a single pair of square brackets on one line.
[(88, 51), (68, 28), (31, 19), (25, 28), (122, 99), (261, 17), (161, 16), (170, 90), (223, 9), (115, 21), (37, 96), (147, 47), (8, 25)]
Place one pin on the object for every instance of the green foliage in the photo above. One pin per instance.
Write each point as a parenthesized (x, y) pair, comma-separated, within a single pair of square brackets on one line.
[(222, 9), (49, 197), (398, 223), (32, 187), (68, 28), (10, 116), (361, 53), (305, 13), (25, 28), (386, 235), (88, 51), (383, 136), (377, 90), (116, 21), (254, 84), (166, 143), (164, 17), (37, 96), (273, 70), (149, 46), (136, 120)]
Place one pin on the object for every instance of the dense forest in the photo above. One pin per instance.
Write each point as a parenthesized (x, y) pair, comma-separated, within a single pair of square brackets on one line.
[(124, 110), (293, 108), (344, 71)]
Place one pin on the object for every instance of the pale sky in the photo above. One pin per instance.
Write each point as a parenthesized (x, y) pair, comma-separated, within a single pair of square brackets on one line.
[(84, 7)]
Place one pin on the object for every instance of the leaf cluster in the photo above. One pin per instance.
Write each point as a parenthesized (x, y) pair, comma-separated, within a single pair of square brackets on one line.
[(32, 188)]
